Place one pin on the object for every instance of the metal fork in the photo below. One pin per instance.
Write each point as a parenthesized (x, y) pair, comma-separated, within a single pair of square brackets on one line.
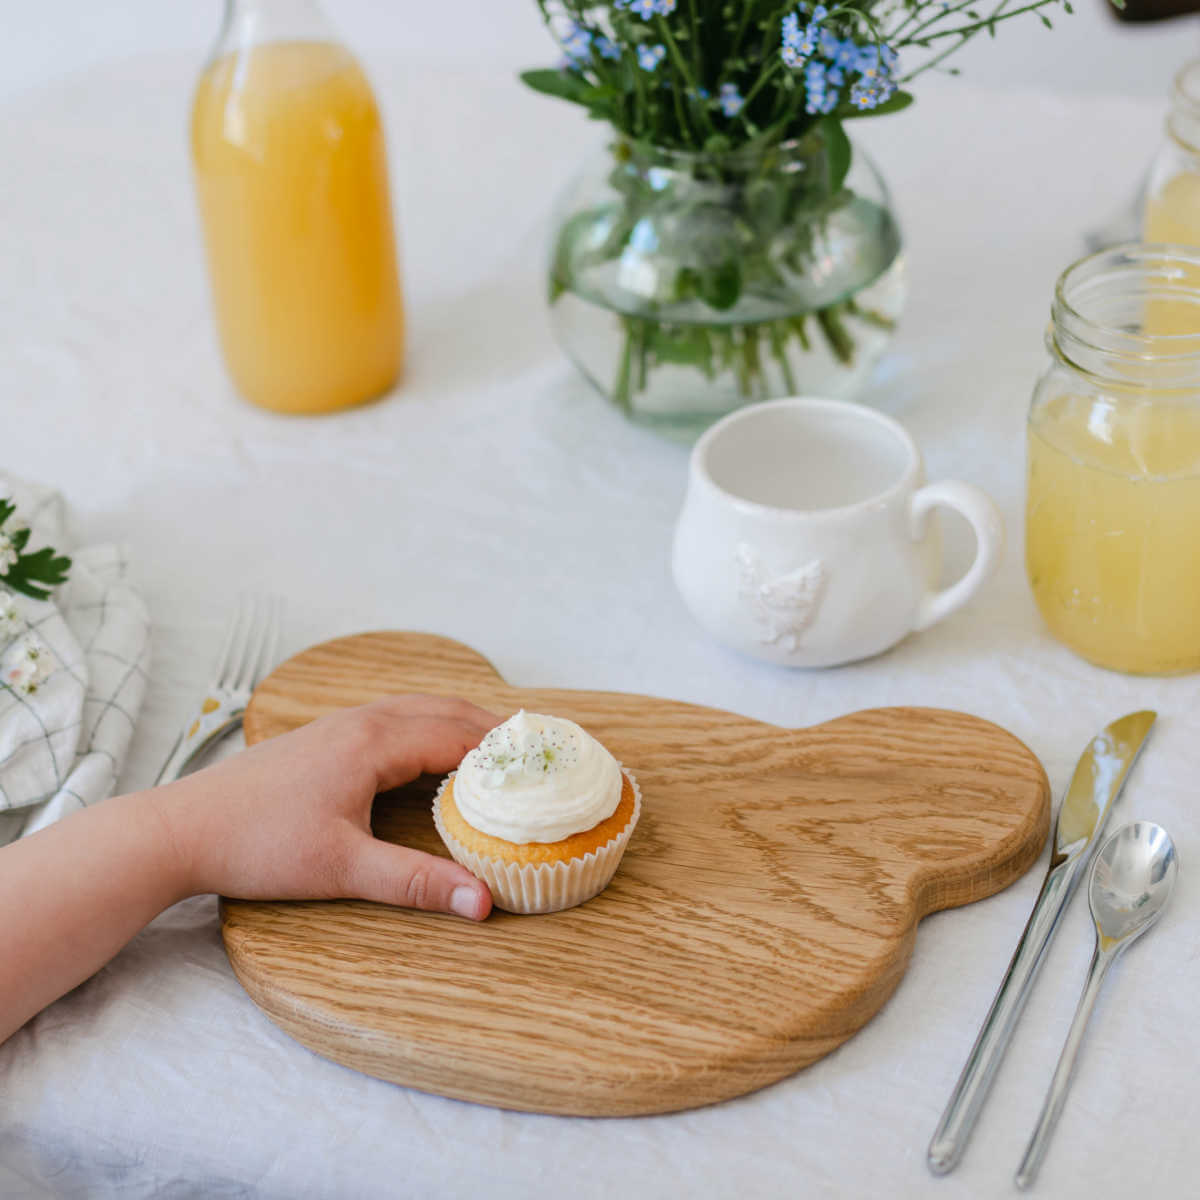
[(251, 644)]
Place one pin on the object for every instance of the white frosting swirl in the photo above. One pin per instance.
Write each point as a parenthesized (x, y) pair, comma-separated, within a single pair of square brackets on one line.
[(537, 779)]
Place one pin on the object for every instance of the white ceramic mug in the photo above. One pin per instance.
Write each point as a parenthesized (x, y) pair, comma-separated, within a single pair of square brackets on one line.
[(805, 537)]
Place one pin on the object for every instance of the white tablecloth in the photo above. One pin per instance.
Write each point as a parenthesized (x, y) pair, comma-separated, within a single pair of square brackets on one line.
[(496, 500)]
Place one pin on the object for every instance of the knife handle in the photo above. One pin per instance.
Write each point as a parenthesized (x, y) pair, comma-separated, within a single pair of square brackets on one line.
[(962, 1111)]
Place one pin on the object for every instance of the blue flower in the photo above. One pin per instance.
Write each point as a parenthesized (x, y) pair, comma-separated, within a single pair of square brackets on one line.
[(825, 102), (800, 44), (664, 8), (846, 55), (577, 45), (814, 76), (871, 93), (642, 8), (730, 99), (828, 43), (821, 83), (650, 56), (875, 62), (606, 47)]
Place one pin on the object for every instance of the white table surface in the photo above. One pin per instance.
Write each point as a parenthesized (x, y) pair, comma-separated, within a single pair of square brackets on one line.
[(496, 500)]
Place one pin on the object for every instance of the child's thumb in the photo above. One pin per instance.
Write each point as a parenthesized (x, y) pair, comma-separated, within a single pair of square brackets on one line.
[(409, 878)]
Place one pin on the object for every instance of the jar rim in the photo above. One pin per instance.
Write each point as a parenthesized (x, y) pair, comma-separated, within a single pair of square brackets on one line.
[(1111, 349)]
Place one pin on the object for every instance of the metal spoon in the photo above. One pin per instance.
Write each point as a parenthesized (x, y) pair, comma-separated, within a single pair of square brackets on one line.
[(1131, 883)]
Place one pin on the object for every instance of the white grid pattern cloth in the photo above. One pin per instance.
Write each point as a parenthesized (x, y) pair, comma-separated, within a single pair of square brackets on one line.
[(62, 747)]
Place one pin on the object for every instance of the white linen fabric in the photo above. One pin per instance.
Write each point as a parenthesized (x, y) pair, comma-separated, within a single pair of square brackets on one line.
[(63, 745), (456, 506)]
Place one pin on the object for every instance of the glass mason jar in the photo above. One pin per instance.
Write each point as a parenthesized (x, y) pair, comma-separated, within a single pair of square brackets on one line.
[(291, 178), (684, 285), (1172, 207), (1112, 525)]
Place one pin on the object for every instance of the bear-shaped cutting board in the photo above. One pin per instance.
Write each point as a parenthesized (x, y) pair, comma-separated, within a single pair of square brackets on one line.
[(764, 911)]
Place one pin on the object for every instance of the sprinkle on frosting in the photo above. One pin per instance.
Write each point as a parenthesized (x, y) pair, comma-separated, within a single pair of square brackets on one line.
[(537, 779)]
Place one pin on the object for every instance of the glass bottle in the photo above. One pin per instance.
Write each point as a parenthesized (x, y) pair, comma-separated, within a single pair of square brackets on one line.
[(291, 177), (1112, 525), (1173, 190)]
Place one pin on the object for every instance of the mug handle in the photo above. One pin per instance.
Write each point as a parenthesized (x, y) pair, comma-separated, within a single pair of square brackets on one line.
[(983, 518)]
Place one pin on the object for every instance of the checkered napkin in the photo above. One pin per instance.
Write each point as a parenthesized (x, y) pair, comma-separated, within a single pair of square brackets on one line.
[(62, 745)]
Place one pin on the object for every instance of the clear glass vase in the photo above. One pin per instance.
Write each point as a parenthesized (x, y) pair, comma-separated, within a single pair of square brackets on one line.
[(685, 285)]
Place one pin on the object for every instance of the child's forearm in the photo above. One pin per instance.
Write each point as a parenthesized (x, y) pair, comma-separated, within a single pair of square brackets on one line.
[(75, 893)]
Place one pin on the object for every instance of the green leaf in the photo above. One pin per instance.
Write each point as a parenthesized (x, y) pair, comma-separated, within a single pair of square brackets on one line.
[(898, 102), (837, 146), (565, 86), (36, 574), (721, 286)]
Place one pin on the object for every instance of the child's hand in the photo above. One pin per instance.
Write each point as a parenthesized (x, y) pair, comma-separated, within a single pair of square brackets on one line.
[(290, 818)]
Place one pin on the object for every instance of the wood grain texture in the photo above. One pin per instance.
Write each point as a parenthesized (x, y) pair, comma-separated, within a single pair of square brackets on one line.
[(765, 910)]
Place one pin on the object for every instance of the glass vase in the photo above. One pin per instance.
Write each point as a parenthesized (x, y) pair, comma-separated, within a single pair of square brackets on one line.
[(684, 285)]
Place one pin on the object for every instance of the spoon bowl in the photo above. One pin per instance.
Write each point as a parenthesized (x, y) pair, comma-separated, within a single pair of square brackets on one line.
[(1132, 880)]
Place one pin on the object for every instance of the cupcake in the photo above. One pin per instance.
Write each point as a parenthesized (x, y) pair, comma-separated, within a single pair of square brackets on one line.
[(539, 811)]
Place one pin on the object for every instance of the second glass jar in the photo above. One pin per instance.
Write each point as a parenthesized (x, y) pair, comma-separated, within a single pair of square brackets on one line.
[(1113, 506)]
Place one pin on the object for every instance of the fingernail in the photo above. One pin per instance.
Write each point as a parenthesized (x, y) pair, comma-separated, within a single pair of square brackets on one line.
[(464, 901)]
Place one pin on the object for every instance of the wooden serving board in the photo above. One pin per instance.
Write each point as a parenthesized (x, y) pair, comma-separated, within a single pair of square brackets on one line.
[(764, 911)]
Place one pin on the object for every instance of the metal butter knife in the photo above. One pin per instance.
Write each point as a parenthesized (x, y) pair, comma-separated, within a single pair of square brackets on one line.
[(1095, 786)]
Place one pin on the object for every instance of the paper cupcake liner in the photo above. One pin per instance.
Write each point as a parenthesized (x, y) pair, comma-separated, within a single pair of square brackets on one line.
[(542, 887)]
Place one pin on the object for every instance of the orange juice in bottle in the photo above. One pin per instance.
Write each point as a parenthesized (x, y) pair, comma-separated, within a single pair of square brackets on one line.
[(291, 177)]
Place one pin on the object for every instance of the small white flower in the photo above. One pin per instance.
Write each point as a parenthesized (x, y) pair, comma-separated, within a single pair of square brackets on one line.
[(10, 618), (8, 553), (29, 666)]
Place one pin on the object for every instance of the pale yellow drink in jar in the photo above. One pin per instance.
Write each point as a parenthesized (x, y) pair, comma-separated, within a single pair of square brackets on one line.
[(291, 173), (1113, 530), (1173, 215)]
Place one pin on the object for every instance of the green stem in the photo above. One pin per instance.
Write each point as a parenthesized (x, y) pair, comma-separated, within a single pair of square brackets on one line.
[(772, 67), (741, 365), (840, 342), (750, 352), (869, 316), (903, 31), (779, 350), (966, 31), (692, 87), (622, 395), (747, 8), (797, 324), (697, 63)]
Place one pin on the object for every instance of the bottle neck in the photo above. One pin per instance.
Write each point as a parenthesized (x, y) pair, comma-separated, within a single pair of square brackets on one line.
[(254, 22), (1183, 121), (1117, 317)]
